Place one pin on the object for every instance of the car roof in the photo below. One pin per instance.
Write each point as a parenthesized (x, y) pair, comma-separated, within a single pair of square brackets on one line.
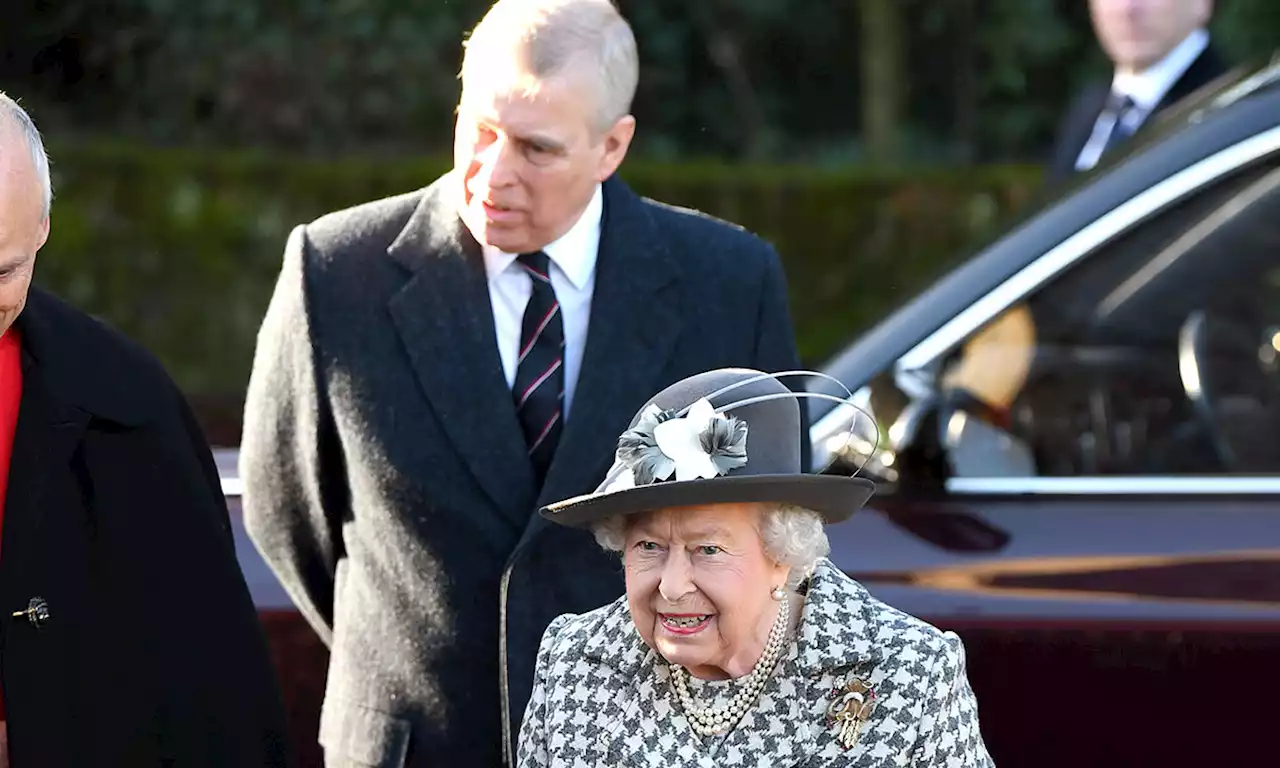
[(1238, 106)]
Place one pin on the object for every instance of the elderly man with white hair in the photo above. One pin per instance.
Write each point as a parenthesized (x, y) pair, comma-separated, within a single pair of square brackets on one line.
[(129, 635), (436, 364), (737, 642)]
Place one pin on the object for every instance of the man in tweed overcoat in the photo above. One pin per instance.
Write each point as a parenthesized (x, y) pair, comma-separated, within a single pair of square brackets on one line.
[(398, 438)]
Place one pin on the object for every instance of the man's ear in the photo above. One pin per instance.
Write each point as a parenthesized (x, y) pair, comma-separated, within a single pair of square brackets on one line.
[(43, 235), (617, 140)]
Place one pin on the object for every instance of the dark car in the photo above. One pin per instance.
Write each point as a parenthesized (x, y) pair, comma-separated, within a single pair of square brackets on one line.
[(1078, 446), (1079, 453)]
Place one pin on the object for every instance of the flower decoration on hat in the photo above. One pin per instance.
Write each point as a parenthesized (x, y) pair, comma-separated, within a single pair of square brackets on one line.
[(701, 444)]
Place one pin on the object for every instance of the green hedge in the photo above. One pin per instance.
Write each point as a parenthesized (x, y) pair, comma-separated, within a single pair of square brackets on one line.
[(180, 248)]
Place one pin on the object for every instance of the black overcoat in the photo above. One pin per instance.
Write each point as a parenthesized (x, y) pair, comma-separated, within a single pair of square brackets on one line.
[(386, 477), (115, 525)]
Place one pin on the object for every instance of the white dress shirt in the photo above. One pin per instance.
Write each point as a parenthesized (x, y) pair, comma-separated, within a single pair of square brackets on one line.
[(573, 274), (1146, 89)]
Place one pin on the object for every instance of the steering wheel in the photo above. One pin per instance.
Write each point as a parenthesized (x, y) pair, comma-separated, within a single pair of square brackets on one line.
[(1213, 351)]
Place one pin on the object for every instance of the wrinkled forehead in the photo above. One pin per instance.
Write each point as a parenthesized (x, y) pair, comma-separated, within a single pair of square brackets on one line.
[(521, 104), (20, 190), (504, 82), (489, 77)]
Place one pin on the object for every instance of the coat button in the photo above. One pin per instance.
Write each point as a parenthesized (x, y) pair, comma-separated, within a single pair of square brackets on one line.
[(37, 612)]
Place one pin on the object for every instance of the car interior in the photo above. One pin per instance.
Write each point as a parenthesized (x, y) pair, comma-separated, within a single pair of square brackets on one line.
[(1154, 355)]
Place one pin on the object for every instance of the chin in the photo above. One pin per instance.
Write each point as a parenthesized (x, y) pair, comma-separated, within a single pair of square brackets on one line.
[(503, 239), (680, 649), (508, 244), (680, 656), (1136, 56)]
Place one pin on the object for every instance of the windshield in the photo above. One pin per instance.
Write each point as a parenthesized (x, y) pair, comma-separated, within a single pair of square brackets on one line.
[(956, 283)]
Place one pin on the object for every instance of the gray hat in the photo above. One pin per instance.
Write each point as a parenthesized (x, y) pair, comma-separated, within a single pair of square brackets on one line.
[(721, 437)]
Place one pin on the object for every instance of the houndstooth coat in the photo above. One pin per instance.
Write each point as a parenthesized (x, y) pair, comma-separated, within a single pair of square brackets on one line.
[(603, 698)]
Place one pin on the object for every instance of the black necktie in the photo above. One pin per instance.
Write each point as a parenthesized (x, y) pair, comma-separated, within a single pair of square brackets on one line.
[(1118, 106), (539, 387)]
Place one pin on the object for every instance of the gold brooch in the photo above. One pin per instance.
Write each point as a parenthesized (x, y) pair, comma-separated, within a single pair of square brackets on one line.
[(850, 707)]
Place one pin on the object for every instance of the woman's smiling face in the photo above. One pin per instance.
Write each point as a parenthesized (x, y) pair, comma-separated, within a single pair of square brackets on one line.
[(699, 586)]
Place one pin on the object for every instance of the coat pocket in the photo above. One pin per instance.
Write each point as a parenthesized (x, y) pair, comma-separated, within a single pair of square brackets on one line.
[(366, 736)]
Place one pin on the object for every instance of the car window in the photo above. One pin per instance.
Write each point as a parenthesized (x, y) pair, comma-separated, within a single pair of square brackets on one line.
[(1154, 355)]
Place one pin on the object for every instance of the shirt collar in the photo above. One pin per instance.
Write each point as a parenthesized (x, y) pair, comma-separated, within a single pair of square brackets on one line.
[(1148, 87), (574, 252)]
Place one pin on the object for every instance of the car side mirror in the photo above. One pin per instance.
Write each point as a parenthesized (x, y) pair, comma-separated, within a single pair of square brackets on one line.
[(919, 455), (909, 446), (916, 438)]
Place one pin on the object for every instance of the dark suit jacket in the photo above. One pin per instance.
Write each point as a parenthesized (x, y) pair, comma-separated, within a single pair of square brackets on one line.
[(1077, 125), (152, 653), (386, 477)]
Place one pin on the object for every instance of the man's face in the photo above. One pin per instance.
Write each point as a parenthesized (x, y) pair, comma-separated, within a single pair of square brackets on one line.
[(529, 157), (23, 227), (1138, 33)]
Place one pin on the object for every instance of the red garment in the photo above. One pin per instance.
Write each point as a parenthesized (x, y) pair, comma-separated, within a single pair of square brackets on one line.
[(10, 399)]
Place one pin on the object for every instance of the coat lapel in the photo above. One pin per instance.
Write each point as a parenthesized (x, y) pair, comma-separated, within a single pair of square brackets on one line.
[(62, 390), (47, 434), (632, 331), (839, 644), (642, 709), (834, 643), (788, 726), (1206, 68), (635, 321), (445, 322)]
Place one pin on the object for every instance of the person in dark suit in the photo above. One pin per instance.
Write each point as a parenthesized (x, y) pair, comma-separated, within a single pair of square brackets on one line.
[(1161, 53), (434, 366), (128, 634)]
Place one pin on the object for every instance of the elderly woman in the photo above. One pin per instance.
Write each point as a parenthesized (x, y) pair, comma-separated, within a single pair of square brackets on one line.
[(737, 642)]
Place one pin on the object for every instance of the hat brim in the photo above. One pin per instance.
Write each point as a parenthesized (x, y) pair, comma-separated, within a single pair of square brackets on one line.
[(833, 497)]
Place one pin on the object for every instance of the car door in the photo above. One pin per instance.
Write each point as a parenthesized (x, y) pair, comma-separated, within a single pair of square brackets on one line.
[(1089, 458)]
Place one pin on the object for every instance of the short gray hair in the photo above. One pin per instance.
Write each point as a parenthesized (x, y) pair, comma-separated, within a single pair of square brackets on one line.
[(19, 119), (552, 37), (792, 536)]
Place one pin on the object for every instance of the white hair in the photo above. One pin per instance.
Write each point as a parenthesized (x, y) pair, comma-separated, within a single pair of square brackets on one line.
[(552, 37), (792, 536), (18, 118)]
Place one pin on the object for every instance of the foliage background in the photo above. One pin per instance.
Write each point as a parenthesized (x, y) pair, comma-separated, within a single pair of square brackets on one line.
[(180, 248), (978, 80), (870, 140)]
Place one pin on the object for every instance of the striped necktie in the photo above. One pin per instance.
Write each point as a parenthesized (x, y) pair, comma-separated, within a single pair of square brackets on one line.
[(1118, 107), (539, 385)]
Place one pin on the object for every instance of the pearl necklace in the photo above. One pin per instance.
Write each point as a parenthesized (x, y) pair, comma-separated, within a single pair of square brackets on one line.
[(710, 720)]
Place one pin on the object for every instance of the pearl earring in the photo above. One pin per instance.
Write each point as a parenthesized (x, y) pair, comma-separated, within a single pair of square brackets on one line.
[(778, 594)]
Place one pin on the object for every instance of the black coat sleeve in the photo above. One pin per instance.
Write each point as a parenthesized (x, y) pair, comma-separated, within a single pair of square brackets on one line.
[(292, 506), (222, 704)]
